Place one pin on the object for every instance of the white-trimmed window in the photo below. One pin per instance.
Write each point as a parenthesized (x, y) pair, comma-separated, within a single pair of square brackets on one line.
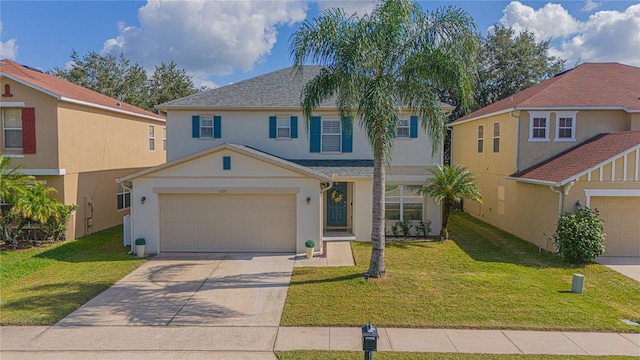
[(565, 126), (496, 137), (283, 127), (539, 126), (124, 197), (402, 130), (206, 126), (12, 129), (164, 139), (331, 135), (480, 139), (152, 137), (402, 203)]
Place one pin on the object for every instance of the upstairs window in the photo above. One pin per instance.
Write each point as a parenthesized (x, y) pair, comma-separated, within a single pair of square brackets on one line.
[(206, 126), (12, 129), (539, 126), (331, 135), (496, 137), (164, 139), (284, 127), (152, 138), (565, 126), (480, 139), (402, 130)]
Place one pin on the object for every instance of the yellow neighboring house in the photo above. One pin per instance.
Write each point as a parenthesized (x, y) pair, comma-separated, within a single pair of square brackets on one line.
[(77, 141), (572, 140)]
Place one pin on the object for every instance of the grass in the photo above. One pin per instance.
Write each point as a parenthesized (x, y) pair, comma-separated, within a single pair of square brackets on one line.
[(484, 278), (353, 355), (40, 287)]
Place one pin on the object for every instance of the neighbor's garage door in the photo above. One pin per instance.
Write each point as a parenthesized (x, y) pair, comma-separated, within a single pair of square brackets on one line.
[(621, 224), (221, 223)]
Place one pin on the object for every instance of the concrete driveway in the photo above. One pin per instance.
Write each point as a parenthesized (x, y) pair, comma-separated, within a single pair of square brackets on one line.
[(221, 289), (625, 265)]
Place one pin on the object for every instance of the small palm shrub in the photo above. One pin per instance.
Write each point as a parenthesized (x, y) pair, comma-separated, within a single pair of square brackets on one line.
[(395, 229), (580, 235), (423, 228), (405, 228)]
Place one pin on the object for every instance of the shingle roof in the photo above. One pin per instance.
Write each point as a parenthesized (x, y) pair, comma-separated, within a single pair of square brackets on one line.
[(64, 90), (278, 89), (589, 85), (342, 168), (567, 165)]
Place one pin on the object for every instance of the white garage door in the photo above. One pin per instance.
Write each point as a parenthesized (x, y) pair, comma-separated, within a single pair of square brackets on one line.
[(227, 223), (621, 217)]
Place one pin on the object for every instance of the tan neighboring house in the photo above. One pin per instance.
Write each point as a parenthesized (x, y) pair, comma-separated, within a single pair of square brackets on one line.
[(572, 140), (244, 175), (77, 141)]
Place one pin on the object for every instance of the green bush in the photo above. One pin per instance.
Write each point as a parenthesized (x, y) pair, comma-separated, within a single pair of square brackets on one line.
[(309, 244), (395, 229), (405, 227), (423, 228), (580, 236)]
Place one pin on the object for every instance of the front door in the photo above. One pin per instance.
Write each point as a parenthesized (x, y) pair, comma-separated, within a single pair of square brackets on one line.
[(337, 205)]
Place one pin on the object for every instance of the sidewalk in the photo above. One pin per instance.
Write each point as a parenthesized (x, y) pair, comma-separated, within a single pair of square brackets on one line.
[(205, 342)]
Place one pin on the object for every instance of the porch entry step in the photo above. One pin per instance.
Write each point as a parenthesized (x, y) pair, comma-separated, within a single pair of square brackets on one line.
[(337, 235)]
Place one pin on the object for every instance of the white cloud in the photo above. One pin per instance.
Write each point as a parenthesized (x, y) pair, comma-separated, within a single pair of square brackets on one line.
[(591, 5), (9, 48), (605, 36), (213, 37), (550, 21)]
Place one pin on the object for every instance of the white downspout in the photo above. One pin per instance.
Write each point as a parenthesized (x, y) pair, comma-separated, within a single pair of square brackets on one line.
[(517, 139), (559, 192)]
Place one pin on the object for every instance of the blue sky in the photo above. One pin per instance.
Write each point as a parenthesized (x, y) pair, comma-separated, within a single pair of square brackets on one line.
[(219, 42)]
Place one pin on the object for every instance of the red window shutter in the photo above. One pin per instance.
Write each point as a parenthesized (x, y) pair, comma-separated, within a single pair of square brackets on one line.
[(29, 130)]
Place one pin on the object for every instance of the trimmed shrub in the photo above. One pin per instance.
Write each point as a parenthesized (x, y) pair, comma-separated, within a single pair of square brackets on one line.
[(580, 235), (424, 228), (309, 244), (405, 228)]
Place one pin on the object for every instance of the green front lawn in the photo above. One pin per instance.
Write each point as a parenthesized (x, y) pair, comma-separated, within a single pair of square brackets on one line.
[(484, 278), (40, 287), (354, 355)]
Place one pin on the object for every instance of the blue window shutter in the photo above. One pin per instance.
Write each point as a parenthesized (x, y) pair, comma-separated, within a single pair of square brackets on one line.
[(347, 135), (272, 127), (217, 127), (226, 163), (294, 127), (315, 133), (413, 127), (195, 126)]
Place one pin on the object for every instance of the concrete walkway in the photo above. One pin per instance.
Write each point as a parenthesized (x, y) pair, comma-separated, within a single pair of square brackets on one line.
[(625, 265), (206, 342), (338, 254)]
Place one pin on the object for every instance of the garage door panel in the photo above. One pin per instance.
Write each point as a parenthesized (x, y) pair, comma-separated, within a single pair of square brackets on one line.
[(201, 223), (621, 216)]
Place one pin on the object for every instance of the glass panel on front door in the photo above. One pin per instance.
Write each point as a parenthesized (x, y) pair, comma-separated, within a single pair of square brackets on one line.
[(337, 205)]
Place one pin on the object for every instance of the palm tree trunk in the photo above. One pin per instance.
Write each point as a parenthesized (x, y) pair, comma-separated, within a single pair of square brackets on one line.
[(446, 212), (377, 266)]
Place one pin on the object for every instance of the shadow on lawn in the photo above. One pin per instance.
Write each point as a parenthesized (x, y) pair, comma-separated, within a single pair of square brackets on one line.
[(326, 280), (486, 243)]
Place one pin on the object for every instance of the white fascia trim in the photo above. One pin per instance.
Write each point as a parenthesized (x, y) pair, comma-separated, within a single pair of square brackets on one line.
[(500, 112), (84, 103), (536, 182), (12, 104), (44, 172)]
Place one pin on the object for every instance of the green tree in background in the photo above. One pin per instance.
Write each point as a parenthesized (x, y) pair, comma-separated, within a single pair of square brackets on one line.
[(381, 64)]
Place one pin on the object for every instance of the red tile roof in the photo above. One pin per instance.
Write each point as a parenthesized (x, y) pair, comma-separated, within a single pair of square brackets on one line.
[(65, 90), (565, 166), (589, 85)]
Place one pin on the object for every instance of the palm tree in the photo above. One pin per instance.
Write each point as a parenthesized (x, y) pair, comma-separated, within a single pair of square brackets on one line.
[(13, 185), (37, 204), (448, 185), (380, 65)]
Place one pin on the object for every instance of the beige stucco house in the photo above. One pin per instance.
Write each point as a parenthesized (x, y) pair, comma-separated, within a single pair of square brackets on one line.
[(243, 174), (77, 141), (572, 140)]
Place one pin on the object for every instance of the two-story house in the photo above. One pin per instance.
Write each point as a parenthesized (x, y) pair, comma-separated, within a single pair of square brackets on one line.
[(76, 141), (246, 172), (572, 140)]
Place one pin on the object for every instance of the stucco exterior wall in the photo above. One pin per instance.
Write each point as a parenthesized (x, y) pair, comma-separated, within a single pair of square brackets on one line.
[(252, 128), (205, 175), (589, 123)]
